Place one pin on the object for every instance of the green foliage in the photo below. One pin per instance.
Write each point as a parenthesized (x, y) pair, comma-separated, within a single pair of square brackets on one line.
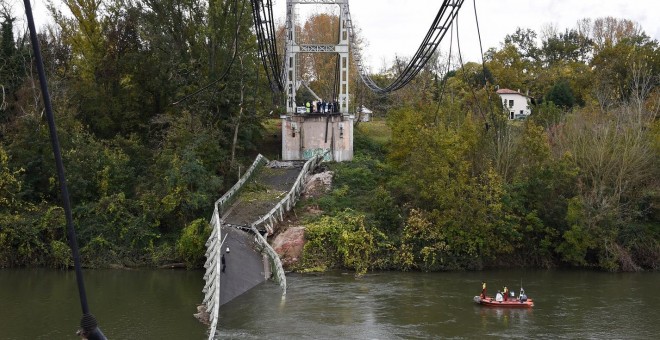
[(422, 244), (561, 95), (127, 225), (357, 183), (33, 236), (187, 165), (432, 190), (191, 245), (61, 255), (10, 186), (29, 234), (343, 240), (547, 114), (99, 252), (13, 53)]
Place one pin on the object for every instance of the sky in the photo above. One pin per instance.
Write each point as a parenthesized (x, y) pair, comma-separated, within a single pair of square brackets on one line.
[(396, 27)]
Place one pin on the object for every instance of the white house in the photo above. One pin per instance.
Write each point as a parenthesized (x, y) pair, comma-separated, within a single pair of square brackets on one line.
[(515, 103)]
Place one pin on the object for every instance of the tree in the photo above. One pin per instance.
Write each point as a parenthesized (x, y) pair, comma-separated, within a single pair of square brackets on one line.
[(617, 168), (510, 69), (561, 95), (524, 40), (12, 69), (566, 47)]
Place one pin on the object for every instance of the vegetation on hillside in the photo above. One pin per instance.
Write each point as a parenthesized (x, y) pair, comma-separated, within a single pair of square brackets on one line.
[(160, 103), (461, 187)]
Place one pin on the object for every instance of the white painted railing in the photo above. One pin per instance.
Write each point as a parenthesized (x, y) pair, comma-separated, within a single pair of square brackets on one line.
[(214, 246), (226, 199), (276, 214), (214, 243)]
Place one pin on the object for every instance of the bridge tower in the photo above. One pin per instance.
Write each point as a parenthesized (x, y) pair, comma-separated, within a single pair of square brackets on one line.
[(306, 134)]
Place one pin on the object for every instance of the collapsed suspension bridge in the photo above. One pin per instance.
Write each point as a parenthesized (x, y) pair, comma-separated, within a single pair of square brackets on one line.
[(238, 254)]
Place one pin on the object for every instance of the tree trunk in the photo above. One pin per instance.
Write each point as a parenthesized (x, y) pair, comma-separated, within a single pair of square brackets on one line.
[(237, 120)]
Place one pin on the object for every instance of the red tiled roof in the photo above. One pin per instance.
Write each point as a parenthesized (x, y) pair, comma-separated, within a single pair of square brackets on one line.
[(507, 91)]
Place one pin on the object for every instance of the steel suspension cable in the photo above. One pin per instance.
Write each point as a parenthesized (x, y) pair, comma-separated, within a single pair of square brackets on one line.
[(444, 81), (231, 61), (442, 22), (483, 63), (88, 323), (465, 78), (265, 31)]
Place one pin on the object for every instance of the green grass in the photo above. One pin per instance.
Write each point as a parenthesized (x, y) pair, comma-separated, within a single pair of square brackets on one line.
[(271, 145), (376, 130)]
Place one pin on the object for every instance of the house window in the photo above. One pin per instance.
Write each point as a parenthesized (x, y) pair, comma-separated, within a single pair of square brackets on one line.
[(521, 111), (511, 117), (510, 102)]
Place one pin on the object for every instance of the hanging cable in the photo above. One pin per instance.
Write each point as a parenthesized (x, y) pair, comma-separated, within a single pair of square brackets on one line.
[(265, 32), (444, 81), (483, 64), (447, 13), (88, 323), (231, 61), (467, 81), (335, 85)]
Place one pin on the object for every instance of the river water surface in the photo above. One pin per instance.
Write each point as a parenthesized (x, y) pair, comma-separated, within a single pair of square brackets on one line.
[(158, 304)]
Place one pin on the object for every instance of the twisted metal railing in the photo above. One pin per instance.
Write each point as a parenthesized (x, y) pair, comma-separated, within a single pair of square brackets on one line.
[(276, 214), (214, 244), (228, 198)]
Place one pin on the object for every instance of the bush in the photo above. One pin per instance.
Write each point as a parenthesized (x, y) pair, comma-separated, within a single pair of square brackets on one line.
[(61, 256), (191, 245), (343, 240), (99, 252)]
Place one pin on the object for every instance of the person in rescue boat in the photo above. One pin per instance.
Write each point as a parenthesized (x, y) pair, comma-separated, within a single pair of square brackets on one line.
[(498, 297)]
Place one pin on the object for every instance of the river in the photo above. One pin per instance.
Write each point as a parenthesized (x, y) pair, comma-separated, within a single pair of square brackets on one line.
[(158, 304)]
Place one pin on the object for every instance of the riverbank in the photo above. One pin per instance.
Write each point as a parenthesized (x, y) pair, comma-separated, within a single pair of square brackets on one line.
[(369, 219)]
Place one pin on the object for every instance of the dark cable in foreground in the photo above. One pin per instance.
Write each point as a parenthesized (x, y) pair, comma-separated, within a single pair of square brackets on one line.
[(88, 323)]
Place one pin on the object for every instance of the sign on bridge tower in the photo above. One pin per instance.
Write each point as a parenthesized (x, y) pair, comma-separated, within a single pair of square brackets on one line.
[(308, 132)]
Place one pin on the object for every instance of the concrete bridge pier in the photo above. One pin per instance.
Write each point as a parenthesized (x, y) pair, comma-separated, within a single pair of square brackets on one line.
[(307, 135)]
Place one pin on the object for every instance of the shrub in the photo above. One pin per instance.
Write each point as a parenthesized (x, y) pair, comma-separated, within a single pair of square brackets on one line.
[(191, 245)]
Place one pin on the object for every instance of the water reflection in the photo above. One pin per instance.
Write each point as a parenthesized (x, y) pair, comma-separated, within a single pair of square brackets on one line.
[(159, 305), (440, 305), (505, 315), (129, 304)]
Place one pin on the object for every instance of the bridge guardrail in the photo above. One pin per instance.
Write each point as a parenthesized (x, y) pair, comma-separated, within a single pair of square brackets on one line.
[(211, 289), (276, 214), (228, 197), (214, 243)]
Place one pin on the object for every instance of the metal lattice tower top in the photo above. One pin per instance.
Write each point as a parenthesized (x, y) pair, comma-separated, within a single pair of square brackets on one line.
[(283, 76), (293, 48)]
